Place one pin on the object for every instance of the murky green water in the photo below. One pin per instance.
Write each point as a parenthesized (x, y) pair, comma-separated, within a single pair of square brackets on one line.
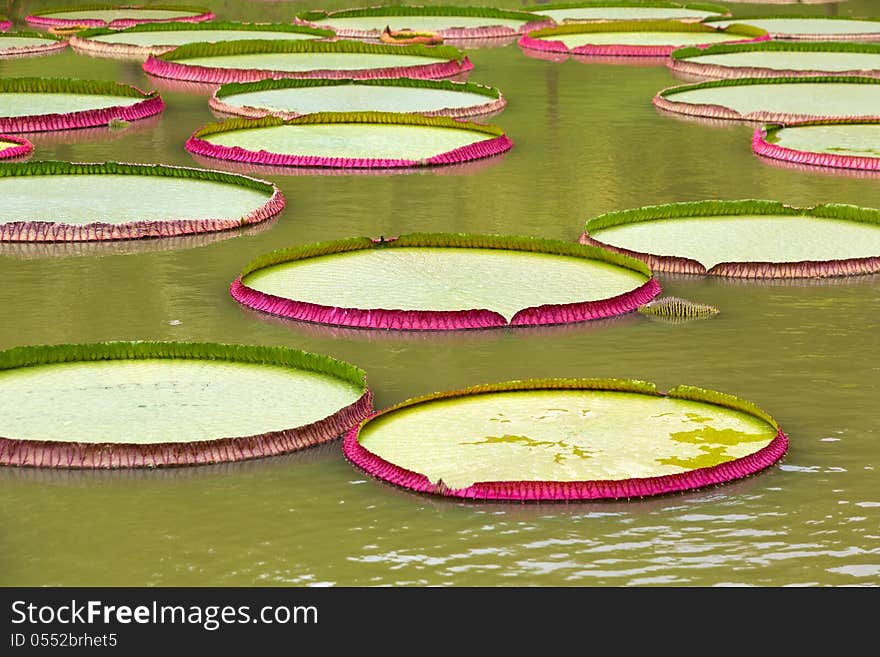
[(588, 141)]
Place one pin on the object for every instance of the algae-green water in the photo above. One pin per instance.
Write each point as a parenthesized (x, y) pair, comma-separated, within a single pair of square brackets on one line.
[(587, 141)]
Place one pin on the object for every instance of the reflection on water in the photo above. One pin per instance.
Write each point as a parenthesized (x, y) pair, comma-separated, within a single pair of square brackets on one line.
[(588, 141)]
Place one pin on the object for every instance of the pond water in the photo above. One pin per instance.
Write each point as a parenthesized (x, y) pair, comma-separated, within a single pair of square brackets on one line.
[(587, 141)]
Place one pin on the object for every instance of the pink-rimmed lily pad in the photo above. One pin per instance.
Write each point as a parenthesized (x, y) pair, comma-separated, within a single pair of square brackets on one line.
[(29, 44), (748, 239), (349, 140), (290, 98), (13, 147), (41, 104), (633, 38), (836, 144), (623, 10), (250, 61), (50, 201), (5, 24), (811, 28), (116, 16), (167, 404), (565, 439), (444, 282)]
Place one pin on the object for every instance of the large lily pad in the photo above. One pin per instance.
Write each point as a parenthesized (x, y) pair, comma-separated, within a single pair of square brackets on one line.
[(836, 144)]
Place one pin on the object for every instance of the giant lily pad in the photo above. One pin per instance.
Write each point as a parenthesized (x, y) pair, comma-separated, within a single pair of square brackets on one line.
[(632, 38), (566, 439), (836, 144), (745, 239), (446, 22), (141, 41), (778, 59), (40, 104), (776, 99), (62, 201), (11, 147), (812, 28), (623, 10), (377, 140), (117, 16), (444, 282), (287, 98), (249, 61), (29, 44), (154, 404)]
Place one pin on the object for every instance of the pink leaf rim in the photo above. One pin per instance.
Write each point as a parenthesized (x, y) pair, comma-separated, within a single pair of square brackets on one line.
[(20, 452), (764, 148), (5, 25), (563, 491), (493, 141), (48, 231), (443, 62), (434, 320), (149, 105), (50, 46), (802, 269), (22, 147), (495, 99), (714, 111), (542, 41), (38, 19), (680, 61)]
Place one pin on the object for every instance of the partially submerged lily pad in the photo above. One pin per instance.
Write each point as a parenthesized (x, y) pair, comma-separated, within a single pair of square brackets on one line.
[(812, 28), (623, 10), (155, 404), (141, 41), (836, 144), (566, 439), (745, 239), (776, 99), (40, 104), (13, 147), (249, 61), (117, 16), (778, 59), (677, 309), (29, 44), (287, 98), (445, 22), (349, 140), (61, 201), (633, 38), (444, 282)]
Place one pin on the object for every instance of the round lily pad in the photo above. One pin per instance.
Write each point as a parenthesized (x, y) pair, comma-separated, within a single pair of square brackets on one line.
[(565, 439), (445, 22), (745, 239), (381, 140), (632, 38), (40, 104), (141, 41), (836, 144), (290, 98), (622, 10), (444, 282), (117, 16), (155, 404), (249, 61), (29, 44), (812, 28), (62, 201), (11, 147), (776, 99), (778, 59)]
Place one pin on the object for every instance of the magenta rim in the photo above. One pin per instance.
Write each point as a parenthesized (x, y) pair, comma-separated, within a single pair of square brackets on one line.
[(23, 147), (56, 454), (5, 25), (762, 147), (549, 491), (498, 143), (433, 320), (47, 231)]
